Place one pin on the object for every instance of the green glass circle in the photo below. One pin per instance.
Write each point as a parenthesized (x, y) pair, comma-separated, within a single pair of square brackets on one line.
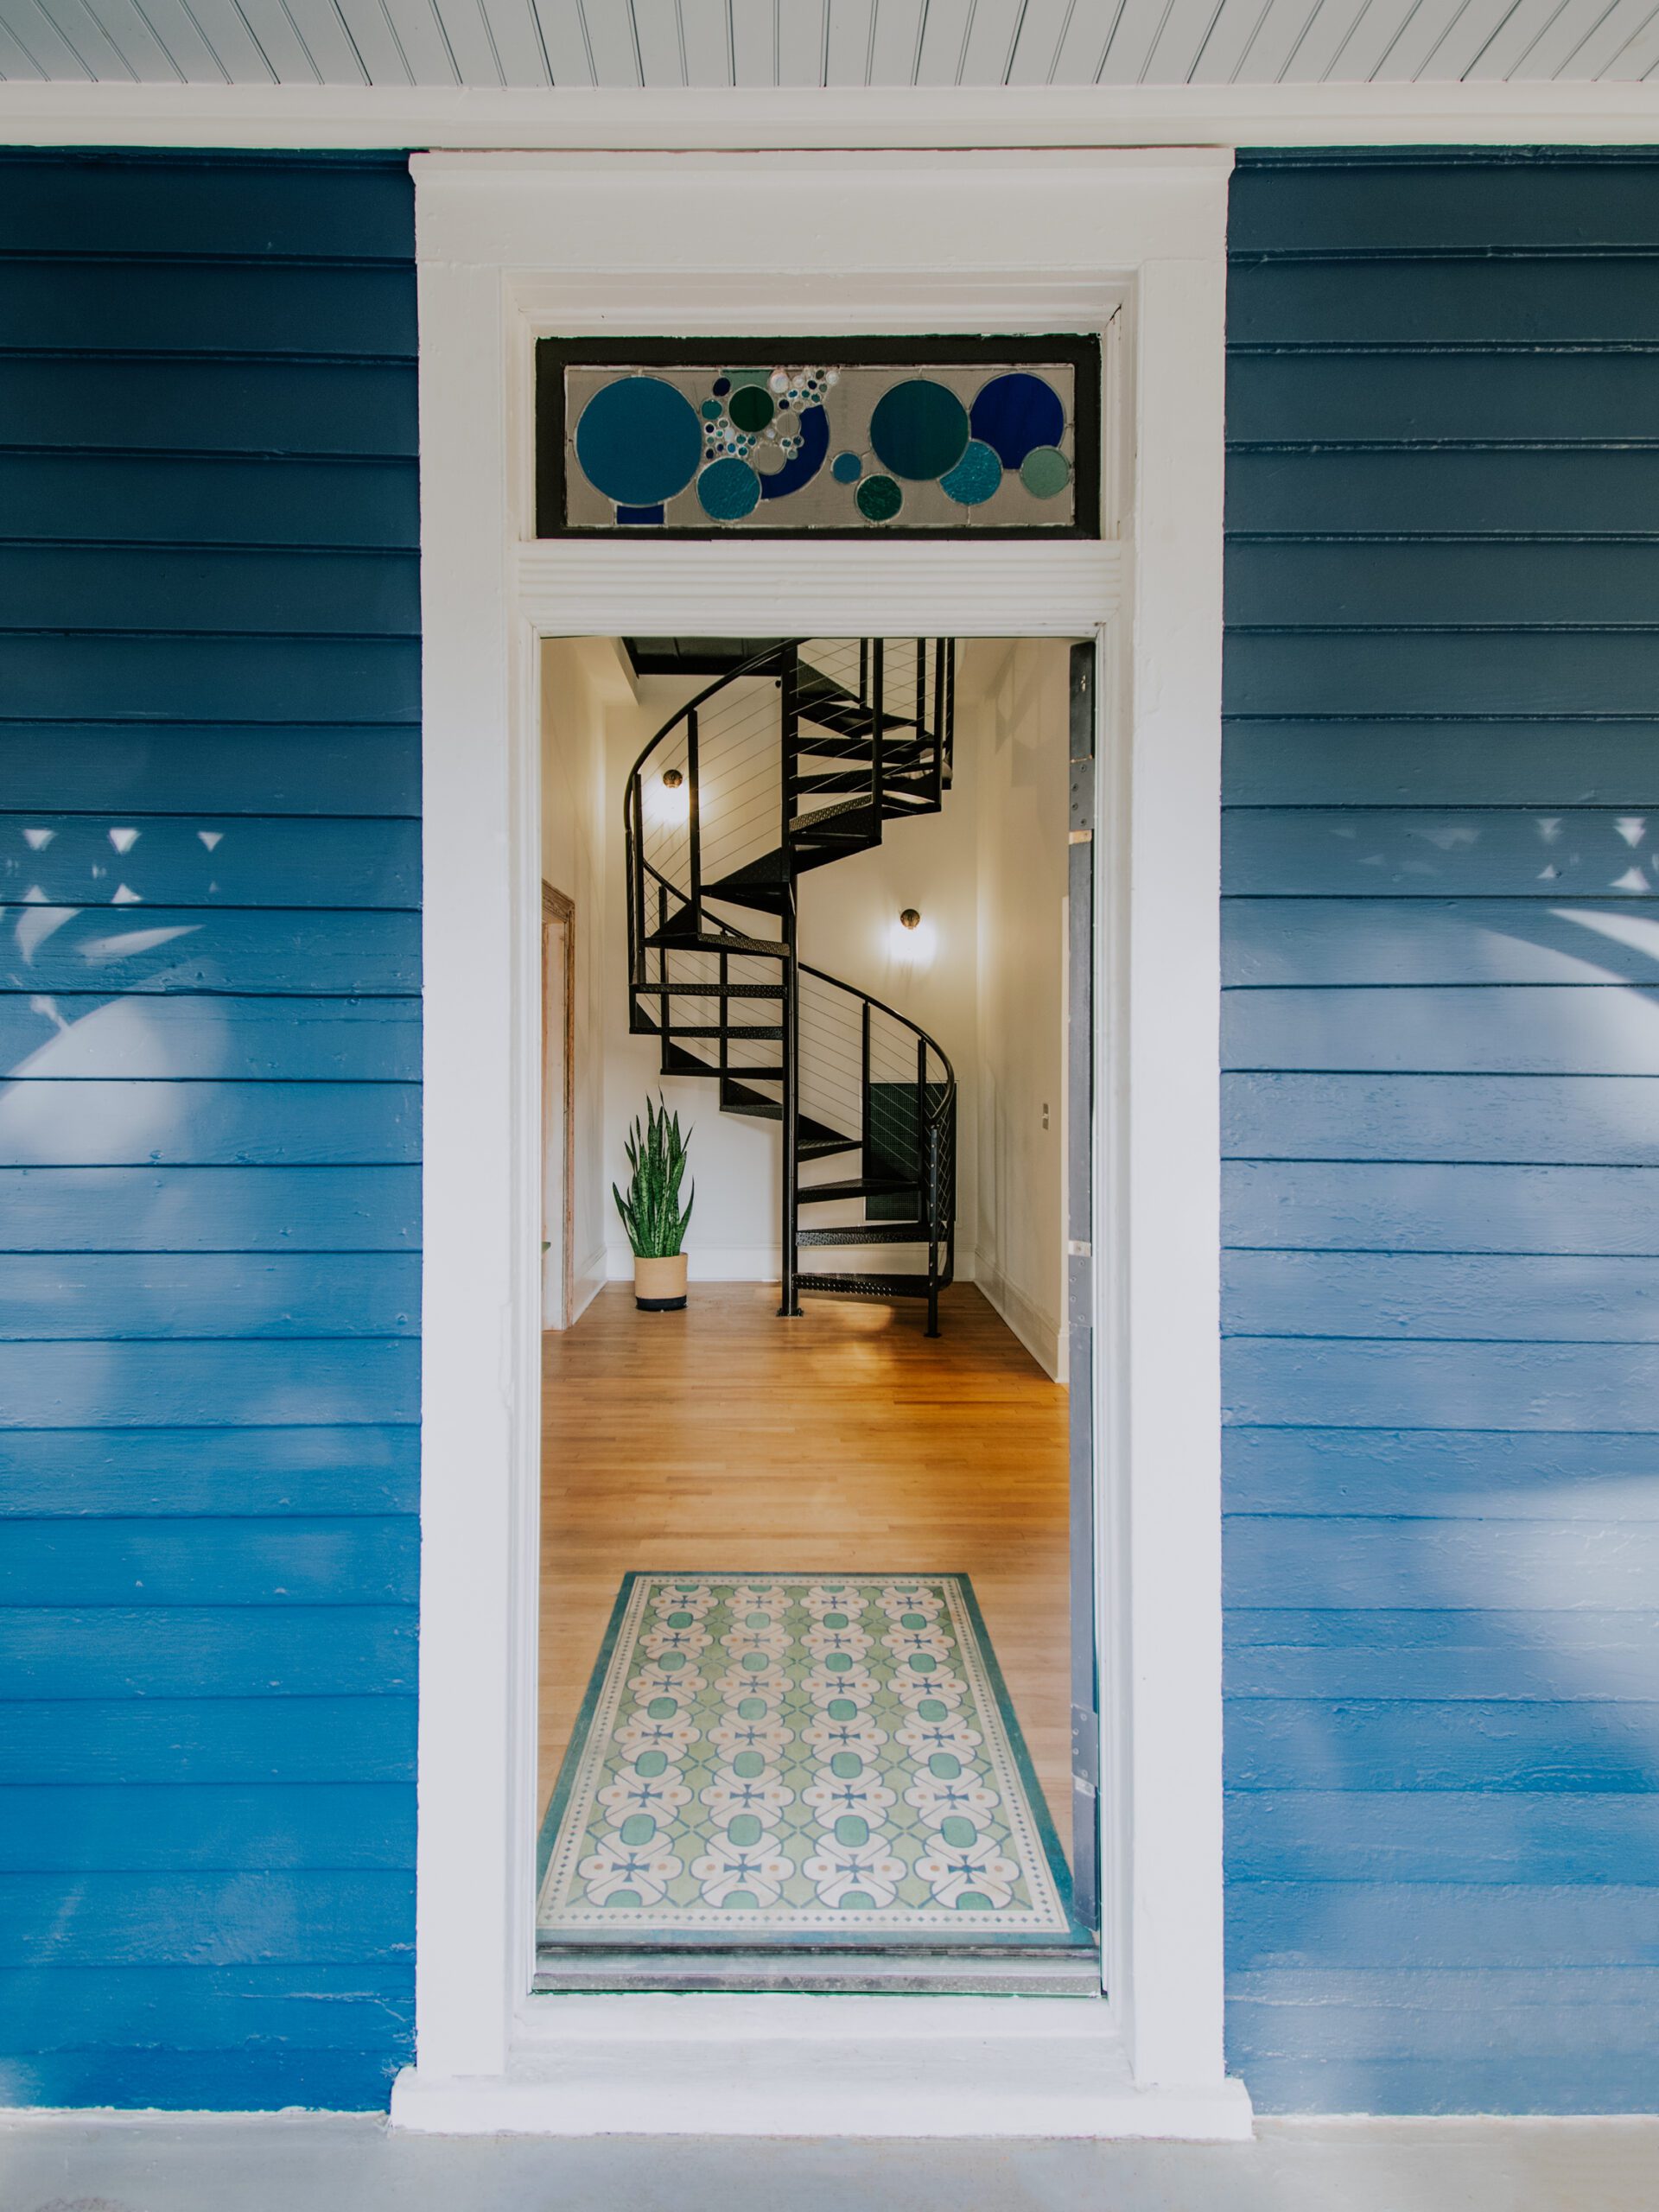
[(842, 1709), (671, 1662), (624, 1896), (855, 1901), (932, 1708), (923, 1663), (748, 1765), (746, 1829), (912, 1620), (845, 1764), (956, 1831), (971, 1901), (754, 1662), (638, 1828), (850, 1830), (739, 1901), (839, 1662), (651, 1762), (662, 1708), (752, 1708), (679, 1620), (945, 1765), (751, 407), (712, 411), (758, 1620), (1045, 472), (919, 430), (878, 498), (835, 1620)]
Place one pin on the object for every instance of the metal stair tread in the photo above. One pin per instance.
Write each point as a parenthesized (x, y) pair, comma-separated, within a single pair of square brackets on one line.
[(859, 1187), (879, 1232), (704, 941)]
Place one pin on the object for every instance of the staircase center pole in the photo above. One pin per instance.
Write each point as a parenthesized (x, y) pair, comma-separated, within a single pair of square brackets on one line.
[(789, 734)]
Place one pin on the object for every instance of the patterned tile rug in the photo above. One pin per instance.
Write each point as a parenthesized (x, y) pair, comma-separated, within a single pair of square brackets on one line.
[(801, 1759)]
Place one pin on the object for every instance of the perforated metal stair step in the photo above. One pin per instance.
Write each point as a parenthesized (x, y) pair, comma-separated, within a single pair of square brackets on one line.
[(742, 1032), (851, 1286), (709, 941), (860, 1186), (879, 1232)]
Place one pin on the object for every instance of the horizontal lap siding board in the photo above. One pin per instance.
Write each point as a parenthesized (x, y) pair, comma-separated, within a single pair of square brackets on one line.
[(1441, 1112), (210, 885)]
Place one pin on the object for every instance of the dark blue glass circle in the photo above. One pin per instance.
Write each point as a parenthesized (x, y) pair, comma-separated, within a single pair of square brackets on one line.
[(1015, 414)]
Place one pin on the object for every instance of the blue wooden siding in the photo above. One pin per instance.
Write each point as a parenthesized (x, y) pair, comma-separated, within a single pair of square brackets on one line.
[(1442, 1117), (209, 1129)]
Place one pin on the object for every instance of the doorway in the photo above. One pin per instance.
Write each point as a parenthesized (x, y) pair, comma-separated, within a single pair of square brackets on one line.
[(855, 1451)]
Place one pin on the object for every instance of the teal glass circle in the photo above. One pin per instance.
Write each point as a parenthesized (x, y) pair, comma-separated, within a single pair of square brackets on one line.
[(729, 490), (919, 430), (747, 1765), (638, 1828), (846, 468), (932, 1708), (842, 1709), (839, 1662), (745, 1829), (945, 1766), (956, 1831), (921, 1662), (752, 1708), (754, 1662), (852, 1831), (662, 1708), (846, 1765), (974, 478), (1046, 472), (639, 441), (651, 1762)]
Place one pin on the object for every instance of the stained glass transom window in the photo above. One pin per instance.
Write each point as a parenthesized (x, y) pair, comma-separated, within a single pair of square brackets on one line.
[(836, 437)]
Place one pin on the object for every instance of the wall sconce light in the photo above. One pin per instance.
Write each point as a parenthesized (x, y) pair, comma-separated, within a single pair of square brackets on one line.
[(674, 799), (910, 939)]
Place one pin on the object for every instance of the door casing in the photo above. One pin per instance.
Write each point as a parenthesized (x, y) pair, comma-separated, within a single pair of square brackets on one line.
[(1132, 245)]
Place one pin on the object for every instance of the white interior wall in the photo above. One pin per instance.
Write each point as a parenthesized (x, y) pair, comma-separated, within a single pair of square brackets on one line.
[(584, 681), (1021, 721)]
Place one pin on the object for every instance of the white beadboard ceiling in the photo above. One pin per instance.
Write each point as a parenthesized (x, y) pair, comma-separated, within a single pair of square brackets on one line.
[(625, 45)]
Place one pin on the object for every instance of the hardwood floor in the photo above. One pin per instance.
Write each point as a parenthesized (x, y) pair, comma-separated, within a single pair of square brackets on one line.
[(724, 1438)]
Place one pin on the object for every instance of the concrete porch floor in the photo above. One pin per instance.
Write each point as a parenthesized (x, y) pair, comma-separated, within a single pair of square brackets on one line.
[(159, 2164)]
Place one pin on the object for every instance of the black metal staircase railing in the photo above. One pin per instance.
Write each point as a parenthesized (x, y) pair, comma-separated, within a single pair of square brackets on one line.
[(794, 760)]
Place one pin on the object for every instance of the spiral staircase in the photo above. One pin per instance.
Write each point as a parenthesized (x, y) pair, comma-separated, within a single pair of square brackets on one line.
[(795, 758)]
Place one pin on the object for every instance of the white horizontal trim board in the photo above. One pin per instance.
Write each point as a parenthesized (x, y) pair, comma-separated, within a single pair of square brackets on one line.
[(637, 589), (1131, 244), (1495, 114), (651, 2064), (1040, 1331)]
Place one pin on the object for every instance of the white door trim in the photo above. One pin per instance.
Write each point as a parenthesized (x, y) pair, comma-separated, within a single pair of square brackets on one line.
[(512, 246)]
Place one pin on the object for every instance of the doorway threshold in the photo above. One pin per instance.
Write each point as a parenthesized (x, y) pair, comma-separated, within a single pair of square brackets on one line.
[(1056, 1971)]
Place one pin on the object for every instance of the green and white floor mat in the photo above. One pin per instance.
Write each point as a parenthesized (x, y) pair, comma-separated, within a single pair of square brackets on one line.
[(799, 1758)]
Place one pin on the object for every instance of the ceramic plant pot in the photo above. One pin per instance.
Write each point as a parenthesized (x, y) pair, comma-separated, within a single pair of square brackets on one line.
[(660, 1285)]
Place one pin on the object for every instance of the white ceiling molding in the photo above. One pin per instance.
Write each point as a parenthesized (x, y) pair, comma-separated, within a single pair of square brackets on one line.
[(322, 115)]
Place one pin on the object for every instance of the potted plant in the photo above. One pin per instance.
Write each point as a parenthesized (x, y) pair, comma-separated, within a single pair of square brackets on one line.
[(650, 1212)]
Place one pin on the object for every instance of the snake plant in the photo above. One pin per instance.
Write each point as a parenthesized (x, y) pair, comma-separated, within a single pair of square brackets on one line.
[(650, 1212)]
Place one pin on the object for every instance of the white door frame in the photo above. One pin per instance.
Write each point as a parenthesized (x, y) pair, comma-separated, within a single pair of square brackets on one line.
[(512, 246)]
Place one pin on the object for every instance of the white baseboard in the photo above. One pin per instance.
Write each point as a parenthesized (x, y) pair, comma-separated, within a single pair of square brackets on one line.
[(586, 1282), (1040, 1334), (777, 2065)]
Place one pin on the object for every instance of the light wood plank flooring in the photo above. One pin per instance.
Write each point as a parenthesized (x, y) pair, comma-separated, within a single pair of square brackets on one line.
[(724, 1438)]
